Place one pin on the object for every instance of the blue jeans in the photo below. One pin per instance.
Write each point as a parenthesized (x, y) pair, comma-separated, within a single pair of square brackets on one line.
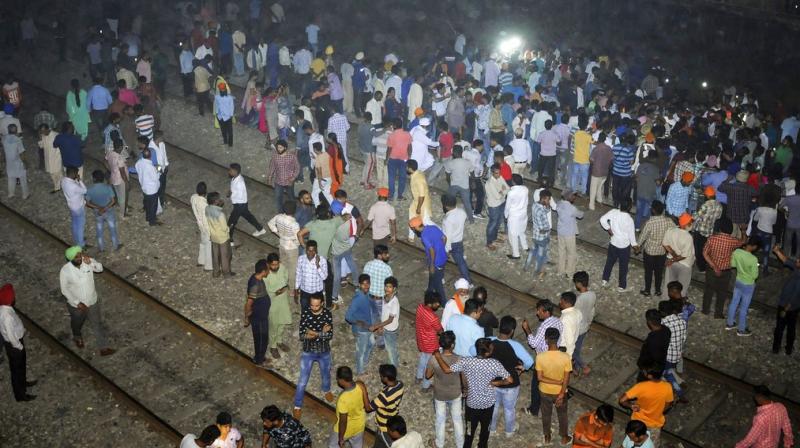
[(375, 307), (457, 252), (642, 211), (454, 406), (283, 194), (238, 64), (535, 149), (495, 218), (766, 247), (579, 177), (78, 225), (307, 361), (466, 199), (577, 362), (669, 375), (390, 337), (436, 283), (110, 219), (396, 169), (364, 343), (540, 252), (337, 271), (742, 295), (421, 365), (507, 398)]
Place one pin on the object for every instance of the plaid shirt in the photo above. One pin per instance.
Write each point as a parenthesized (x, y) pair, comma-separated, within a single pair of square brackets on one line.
[(541, 222), (291, 434), (719, 248), (740, 196), (770, 421), (653, 234), (309, 278), (705, 218), (678, 198), (283, 168), (536, 340), (677, 328), (378, 271), (44, 117), (339, 125), (286, 227)]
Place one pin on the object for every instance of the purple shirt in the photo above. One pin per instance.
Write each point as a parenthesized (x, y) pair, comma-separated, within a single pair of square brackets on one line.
[(335, 87), (562, 130), (548, 139)]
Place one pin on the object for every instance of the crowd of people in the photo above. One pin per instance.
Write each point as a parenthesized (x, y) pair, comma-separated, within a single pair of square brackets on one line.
[(713, 186)]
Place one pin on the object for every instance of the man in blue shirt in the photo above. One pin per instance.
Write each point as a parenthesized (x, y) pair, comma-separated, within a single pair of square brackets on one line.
[(100, 197), (223, 103), (359, 317), (622, 168), (465, 327), (98, 100), (70, 146), (433, 240)]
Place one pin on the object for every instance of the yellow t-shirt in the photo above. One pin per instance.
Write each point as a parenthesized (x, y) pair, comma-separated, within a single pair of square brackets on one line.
[(553, 364), (583, 141), (419, 188), (317, 67), (651, 396), (351, 402)]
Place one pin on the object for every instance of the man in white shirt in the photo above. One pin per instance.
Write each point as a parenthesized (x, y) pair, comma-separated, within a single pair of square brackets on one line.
[(496, 191), (538, 120), (420, 142), (522, 152), (77, 286), (238, 195), (148, 179), (207, 437), (158, 146), (74, 191), (679, 244), (619, 225), (285, 226), (516, 214), (455, 305), (187, 69), (453, 227), (491, 70), (12, 333), (571, 318), (199, 204), (375, 108), (585, 303)]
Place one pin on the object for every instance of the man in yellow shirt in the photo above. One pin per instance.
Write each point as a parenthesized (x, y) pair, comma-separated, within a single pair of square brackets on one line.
[(351, 419), (581, 141), (649, 400), (552, 370), (420, 197)]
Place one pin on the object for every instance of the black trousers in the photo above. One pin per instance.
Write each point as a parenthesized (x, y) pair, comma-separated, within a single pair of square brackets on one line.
[(699, 243), (241, 211), (329, 284), (162, 188), (475, 417), (150, 207), (719, 286), (786, 322), (187, 80), (653, 266), (226, 127), (478, 193), (621, 188), (17, 363), (260, 339), (203, 102), (536, 395)]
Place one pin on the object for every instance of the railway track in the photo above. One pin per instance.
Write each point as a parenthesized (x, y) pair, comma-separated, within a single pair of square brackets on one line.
[(608, 339)]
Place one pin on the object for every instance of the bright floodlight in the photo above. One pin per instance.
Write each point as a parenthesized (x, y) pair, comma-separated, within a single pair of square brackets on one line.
[(510, 45), (704, 84)]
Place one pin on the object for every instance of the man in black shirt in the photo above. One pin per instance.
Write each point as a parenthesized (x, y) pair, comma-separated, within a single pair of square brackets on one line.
[(509, 357), (788, 305), (488, 321), (316, 332), (654, 348)]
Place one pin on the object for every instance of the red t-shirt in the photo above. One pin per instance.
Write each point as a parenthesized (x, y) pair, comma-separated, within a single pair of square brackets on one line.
[(427, 327), (446, 143), (505, 171)]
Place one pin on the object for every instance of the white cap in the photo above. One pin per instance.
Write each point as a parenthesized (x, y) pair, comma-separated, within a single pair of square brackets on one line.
[(493, 55), (424, 121), (462, 284), (359, 55)]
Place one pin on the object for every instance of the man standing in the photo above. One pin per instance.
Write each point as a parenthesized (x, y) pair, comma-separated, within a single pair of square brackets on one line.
[(446, 391), (585, 303), (548, 141), (378, 270), (359, 317), (433, 241), (15, 167), (199, 205), (238, 195), (704, 221), (553, 368), (544, 312), (465, 327), (420, 150), (788, 304), (770, 422), (382, 218), (671, 319), (600, 158), (619, 225), (717, 253), (256, 312), (202, 85), (453, 226), (398, 145), (52, 156), (389, 323), (540, 233), (351, 420), (567, 229), (746, 265), (387, 404), (679, 245), (220, 236), (740, 200), (677, 200), (654, 348), (280, 316), (649, 400), (571, 319), (285, 226), (516, 214), (420, 206), (98, 101), (459, 170), (515, 359), (427, 329), (100, 197), (316, 332), (13, 332), (312, 270), (283, 430), (148, 179), (77, 286), (338, 124), (496, 191), (521, 152), (75, 191), (651, 240)]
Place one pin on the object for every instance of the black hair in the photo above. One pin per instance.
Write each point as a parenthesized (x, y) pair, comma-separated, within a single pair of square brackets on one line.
[(657, 207), (388, 371), (636, 427), (224, 418), (289, 207), (545, 305), (674, 285), (480, 293), (363, 278), (210, 434), (261, 265), (552, 334), (98, 176), (447, 340), (753, 241), (545, 193), (282, 142), (411, 163), (271, 413), (507, 325), (516, 179), (569, 297), (625, 204), (652, 316), (76, 90), (581, 277), (431, 297), (605, 413), (379, 249), (201, 188), (317, 296), (340, 194), (483, 346), (311, 243), (236, 167), (273, 257), (212, 197), (448, 201), (472, 305), (390, 281), (762, 391), (397, 424), (344, 373)]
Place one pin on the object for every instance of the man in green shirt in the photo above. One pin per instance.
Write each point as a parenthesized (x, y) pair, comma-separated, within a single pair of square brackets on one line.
[(783, 154), (322, 230), (746, 265)]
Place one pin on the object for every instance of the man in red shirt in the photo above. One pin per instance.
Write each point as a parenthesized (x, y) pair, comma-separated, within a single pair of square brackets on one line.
[(717, 252), (398, 146), (505, 168), (770, 421), (427, 328), (446, 142)]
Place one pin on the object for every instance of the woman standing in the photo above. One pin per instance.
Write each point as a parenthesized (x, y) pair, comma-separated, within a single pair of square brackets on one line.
[(77, 109)]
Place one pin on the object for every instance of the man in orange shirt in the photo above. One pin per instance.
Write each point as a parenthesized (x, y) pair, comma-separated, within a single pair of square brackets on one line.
[(594, 429), (649, 400)]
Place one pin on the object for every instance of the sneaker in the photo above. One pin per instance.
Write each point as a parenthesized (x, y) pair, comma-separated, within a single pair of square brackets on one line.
[(259, 232), (605, 283), (621, 289), (744, 333), (645, 293), (477, 217), (730, 327)]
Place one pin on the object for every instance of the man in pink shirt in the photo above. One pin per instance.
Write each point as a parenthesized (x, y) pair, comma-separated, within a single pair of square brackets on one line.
[(770, 421), (125, 94), (398, 146), (548, 141)]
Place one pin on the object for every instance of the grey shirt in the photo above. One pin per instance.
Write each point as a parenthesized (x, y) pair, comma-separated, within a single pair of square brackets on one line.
[(646, 174), (459, 170), (365, 138), (12, 146), (568, 216), (446, 386)]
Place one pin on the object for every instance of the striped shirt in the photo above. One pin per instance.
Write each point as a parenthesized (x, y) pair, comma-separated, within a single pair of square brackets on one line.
[(145, 125), (623, 160), (387, 404), (505, 79)]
